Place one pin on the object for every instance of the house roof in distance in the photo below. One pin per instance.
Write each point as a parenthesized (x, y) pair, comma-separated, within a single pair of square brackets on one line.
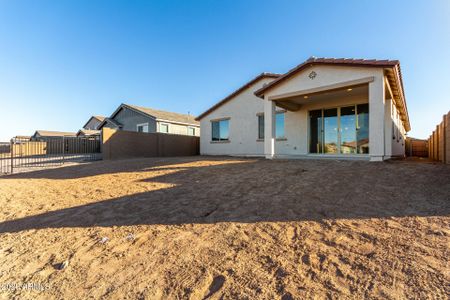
[(98, 118), (237, 92), (111, 121), (88, 132), (160, 114), (49, 133)]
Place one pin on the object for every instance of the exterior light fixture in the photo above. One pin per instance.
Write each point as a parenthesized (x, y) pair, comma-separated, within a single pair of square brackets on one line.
[(305, 97), (349, 90)]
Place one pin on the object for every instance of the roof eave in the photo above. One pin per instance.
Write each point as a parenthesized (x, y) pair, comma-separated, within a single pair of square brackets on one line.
[(236, 92), (310, 62)]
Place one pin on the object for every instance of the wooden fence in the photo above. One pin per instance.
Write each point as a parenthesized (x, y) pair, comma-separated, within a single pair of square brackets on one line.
[(117, 144), (439, 141)]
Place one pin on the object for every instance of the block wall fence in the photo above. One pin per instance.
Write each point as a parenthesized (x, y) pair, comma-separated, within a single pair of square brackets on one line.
[(439, 141), (118, 144)]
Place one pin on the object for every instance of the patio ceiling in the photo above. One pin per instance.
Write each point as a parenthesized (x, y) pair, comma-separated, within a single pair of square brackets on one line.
[(295, 102)]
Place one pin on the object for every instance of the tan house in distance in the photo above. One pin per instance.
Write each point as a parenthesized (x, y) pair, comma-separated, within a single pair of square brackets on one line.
[(323, 108), (42, 135)]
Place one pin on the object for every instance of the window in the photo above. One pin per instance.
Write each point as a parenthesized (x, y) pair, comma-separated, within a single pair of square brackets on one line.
[(142, 127), (164, 128), (279, 126), (191, 131), (220, 130), (261, 127)]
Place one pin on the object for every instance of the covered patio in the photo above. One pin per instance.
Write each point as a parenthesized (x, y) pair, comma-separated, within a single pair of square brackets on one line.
[(336, 110)]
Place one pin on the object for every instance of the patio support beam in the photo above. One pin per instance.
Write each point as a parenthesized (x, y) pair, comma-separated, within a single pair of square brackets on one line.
[(376, 118), (269, 128), (288, 105)]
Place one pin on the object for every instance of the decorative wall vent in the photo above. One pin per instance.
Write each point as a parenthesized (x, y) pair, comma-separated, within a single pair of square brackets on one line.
[(312, 75)]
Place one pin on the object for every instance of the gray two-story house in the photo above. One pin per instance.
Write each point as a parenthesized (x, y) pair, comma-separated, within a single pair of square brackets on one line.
[(142, 119)]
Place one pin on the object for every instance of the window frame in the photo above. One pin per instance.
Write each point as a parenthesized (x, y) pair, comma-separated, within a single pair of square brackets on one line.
[(165, 124), (278, 138), (258, 117), (220, 140), (284, 125), (193, 128), (142, 125)]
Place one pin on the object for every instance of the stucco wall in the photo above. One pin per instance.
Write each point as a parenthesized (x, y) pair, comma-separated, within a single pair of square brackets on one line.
[(397, 134), (243, 126)]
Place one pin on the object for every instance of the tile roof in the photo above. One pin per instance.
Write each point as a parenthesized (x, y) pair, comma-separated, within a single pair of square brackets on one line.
[(327, 61)]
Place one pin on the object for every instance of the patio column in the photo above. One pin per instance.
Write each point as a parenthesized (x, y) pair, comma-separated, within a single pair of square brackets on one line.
[(269, 128), (376, 118), (388, 128)]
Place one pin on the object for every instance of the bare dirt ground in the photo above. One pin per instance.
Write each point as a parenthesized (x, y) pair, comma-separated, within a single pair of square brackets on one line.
[(227, 228)]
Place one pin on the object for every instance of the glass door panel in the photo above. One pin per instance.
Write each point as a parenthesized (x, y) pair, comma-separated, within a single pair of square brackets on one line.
[(348, 130), (362, 129), (315, 131), (330, 128)]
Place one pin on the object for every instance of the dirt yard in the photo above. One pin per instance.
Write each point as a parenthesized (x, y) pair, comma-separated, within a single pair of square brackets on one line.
[(224, 228)]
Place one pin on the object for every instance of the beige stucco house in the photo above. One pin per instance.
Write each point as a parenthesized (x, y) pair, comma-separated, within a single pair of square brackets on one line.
[(338, 108)]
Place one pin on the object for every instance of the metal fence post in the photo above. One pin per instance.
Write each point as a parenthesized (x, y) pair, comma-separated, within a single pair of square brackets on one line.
[(11, 153), (63, 149)]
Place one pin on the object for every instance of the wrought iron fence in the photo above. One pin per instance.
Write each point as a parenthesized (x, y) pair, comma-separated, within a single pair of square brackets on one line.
[(23, 154)]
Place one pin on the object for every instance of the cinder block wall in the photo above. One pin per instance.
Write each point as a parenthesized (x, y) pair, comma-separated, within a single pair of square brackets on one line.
[(118, 144), (447, 138), (439, 141)]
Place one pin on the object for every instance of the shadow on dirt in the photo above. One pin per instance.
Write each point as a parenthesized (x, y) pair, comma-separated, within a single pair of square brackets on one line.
[(251, 190)]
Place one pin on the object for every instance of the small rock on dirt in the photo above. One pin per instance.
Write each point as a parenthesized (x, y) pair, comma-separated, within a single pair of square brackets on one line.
[(104, 240), (63, 265)]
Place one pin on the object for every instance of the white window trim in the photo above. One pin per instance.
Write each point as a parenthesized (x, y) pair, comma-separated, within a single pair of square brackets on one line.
[(191, 127), (218, 120), (168, 127), (143, 124)]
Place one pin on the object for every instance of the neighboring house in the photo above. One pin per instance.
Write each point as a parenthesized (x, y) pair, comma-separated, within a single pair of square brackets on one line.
[(340, 108), (88, 132), (93, 122), (41, 135), (22, 137), (141, 119)]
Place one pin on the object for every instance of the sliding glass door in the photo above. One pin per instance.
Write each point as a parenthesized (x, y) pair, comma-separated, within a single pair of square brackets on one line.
[(348, 130), (316, 130), (330, 130), (362, 128), (342, 130)]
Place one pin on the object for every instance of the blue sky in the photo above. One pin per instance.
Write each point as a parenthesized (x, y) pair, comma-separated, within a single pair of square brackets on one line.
[(62, 61)]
